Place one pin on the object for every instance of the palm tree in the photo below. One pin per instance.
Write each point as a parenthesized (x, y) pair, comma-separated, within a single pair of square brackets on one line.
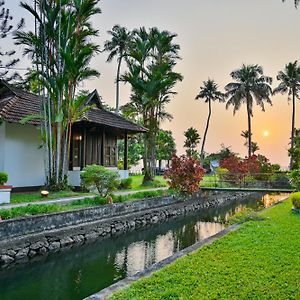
[(255, 147), (250, 84), (192, 139), (61, 49), (150, 61), (245, 135), (290, 83), (209, 92), (117, 46)]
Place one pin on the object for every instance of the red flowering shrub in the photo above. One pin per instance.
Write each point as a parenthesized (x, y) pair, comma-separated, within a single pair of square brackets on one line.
[(185, 174), (238, 168)]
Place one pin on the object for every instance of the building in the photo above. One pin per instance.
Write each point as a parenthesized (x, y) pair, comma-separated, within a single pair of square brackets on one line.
[(94, 138)]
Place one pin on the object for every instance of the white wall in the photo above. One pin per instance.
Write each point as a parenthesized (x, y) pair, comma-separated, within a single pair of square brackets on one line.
[(23, 157), (2, 143)]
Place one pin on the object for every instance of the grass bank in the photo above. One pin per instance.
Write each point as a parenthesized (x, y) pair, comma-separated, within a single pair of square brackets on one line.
[(259, 261), (34, 209), (36, 196)]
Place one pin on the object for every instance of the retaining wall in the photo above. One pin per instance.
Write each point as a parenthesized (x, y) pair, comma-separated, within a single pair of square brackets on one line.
[(24, 238)]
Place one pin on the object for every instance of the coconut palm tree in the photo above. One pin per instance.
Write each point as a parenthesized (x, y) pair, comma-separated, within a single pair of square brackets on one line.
[(117, 46), (250, 84), (209, 92), (151, 60), (290, 84)]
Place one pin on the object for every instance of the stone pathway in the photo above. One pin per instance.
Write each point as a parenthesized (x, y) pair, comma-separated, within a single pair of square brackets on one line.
[(66, 201)]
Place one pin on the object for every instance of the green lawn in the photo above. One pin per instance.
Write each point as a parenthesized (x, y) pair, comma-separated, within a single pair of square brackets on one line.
[(34, 209), (36, 196), (259, 261), (137, 181)]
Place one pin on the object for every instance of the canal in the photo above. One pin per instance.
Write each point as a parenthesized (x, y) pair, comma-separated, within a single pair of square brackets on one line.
[(81, 271)]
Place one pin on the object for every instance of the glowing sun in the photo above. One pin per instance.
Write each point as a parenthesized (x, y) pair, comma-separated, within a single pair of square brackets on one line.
[(266, 133)]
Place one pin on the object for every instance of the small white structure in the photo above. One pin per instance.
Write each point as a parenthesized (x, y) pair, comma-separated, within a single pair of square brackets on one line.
[(5, 194)]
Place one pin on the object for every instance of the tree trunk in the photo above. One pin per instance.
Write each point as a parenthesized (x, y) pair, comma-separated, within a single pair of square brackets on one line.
[(249, 130), (293, 129), (118, 85), (206, 130)]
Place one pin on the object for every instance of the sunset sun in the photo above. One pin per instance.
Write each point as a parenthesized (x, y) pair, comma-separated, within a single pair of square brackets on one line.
[(266, 133)]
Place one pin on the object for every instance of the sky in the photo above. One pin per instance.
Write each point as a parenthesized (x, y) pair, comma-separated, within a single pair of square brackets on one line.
[(216, 37)]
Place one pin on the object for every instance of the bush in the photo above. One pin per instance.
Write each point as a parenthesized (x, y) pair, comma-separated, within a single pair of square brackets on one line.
[(280, 180), (185, 174), (295, 198), (125, 183), (3, 178), (295, 179), (99, 177)]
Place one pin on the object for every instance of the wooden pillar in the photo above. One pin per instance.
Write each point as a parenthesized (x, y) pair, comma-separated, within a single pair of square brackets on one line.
[(83, 149), (126, 151), (103, 147)]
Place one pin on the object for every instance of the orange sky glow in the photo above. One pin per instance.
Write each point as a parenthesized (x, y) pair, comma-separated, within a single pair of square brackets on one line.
[(216, 37)]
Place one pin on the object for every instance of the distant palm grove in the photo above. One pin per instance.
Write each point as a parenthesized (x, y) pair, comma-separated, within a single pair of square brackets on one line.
[(61, 48)]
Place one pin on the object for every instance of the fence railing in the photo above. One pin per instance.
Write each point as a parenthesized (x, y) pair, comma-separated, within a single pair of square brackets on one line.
[(242, 180)]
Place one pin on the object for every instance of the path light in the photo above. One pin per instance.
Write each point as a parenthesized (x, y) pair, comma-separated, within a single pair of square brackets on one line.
[(44, 194)]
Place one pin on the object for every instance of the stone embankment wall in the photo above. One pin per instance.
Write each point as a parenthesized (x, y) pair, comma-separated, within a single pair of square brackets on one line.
[(24, 238)]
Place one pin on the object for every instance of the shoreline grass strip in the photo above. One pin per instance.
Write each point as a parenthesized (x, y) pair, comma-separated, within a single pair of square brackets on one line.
[(259, 261)]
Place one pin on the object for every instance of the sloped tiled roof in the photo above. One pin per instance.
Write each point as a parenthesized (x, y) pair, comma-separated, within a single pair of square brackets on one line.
[(107, 118), (16, 104)]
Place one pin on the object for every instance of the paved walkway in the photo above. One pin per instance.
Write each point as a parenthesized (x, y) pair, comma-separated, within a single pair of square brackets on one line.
[(68, 200)]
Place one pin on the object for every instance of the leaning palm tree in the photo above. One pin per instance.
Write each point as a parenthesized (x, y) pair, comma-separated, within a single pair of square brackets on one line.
[(290, 84), (117, 46), (209, 92), (250, 84)]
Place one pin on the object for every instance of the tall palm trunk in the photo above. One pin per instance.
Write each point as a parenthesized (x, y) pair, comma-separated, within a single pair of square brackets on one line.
[(118, 85), (206, 129), (249, 129), (293, 128)]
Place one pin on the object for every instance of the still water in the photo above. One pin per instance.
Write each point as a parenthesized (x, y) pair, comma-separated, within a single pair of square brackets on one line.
[(82, 271)]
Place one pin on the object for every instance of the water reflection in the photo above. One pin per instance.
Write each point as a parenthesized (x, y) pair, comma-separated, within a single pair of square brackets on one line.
[(84, 270)]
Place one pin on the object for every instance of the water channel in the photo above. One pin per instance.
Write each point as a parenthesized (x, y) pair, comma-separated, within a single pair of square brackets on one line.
[(81, 271)]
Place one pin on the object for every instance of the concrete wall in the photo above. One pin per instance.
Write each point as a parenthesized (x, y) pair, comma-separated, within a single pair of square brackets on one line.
[(21, 239), (23, 157)]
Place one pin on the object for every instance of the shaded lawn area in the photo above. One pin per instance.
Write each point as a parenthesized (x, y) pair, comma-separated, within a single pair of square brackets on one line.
[(259, 261), (36, 196), (137, 181)]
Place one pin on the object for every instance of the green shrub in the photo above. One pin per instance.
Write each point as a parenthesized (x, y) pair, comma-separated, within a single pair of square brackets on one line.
[(3, 178), (125, 184), (100, 178), (295, 198), (295, 179)]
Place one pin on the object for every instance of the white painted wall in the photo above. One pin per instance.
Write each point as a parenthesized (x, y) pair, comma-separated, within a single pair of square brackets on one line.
[(23, 157), (2, 145)]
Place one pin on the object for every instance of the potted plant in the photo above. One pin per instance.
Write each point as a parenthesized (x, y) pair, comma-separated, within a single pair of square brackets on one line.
[(4, 189)]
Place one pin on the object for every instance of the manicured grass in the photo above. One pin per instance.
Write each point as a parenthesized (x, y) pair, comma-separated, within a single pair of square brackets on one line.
[(259, 261), (137, 181), (34, 209), (36, 196)]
